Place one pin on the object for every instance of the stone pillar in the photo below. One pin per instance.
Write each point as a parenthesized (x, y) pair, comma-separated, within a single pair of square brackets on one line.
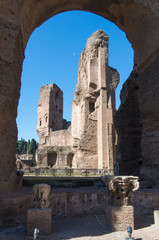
[(108, 79), (156, 217), (39, 215), (119, 212), (102, 132)]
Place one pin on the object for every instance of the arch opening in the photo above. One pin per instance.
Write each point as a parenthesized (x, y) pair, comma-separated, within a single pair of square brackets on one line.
[(51, 158), (51, 127), (58, 63), (139, 20), (70, 160)]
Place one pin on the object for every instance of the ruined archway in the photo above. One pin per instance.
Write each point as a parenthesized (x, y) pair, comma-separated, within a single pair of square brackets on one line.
[(137, 18), (70, 159), (51, 159)]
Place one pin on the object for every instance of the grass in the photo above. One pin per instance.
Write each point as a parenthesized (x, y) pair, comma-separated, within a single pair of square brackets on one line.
[(60, 181)]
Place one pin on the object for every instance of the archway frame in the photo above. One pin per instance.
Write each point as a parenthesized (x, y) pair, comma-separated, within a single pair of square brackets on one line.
[(139, 19)]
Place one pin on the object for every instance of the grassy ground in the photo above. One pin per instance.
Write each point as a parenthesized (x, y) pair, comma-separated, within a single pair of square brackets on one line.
[(59, 181)]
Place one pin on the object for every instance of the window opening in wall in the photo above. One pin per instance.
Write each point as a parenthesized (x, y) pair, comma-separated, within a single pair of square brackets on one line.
[(52, 158), (91, 107), (57, 96), (40, 122), (109, 101), (70, 159)]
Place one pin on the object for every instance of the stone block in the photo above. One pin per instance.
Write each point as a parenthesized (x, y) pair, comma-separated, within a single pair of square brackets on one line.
[(119, 218), (156, 217), (39, 218)]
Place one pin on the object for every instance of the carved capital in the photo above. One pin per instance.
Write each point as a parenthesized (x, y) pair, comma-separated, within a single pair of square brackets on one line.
[(120, 188), (41, 194)]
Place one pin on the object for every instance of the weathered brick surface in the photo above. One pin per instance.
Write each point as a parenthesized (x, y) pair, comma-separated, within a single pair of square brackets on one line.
[(137, 122), (129, 128), (39, 218), (119, 218)]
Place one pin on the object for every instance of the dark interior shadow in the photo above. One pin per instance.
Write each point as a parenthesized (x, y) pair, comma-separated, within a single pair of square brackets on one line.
[(78, 226), (142, 221)]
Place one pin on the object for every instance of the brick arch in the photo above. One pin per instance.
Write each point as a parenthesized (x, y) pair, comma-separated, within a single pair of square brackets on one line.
[(139, 19)]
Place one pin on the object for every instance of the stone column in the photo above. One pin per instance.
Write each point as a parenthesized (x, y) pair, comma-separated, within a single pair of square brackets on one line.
[(108, 79), (119, 212), (39, 215), (102, 124), (102, 132)]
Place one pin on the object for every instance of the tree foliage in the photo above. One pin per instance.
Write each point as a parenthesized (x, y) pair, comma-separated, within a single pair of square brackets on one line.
[(24, 147), (32, 146)]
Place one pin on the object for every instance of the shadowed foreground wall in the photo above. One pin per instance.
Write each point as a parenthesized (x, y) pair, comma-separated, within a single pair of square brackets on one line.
[(69, 202), (137, 122), (129, 129)]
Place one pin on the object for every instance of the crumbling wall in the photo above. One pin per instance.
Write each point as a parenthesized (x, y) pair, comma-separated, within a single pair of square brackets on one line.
[(129, 128), (49, 128), (137, 122), (50, 110), (54, 157), (93, 107), (139, 19), (92, 134)]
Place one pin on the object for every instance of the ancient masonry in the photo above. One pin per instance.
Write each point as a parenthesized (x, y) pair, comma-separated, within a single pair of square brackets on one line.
[(89, 142)]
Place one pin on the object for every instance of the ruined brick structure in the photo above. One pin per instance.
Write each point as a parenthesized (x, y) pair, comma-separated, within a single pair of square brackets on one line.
[(94, 106), (51, 101), (54, 132), (138, 116), (90, 141)]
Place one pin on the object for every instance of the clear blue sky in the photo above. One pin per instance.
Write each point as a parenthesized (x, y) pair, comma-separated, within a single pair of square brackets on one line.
[(49, 58)]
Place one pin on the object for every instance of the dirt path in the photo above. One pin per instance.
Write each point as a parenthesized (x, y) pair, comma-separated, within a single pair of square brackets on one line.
[(82, 228)]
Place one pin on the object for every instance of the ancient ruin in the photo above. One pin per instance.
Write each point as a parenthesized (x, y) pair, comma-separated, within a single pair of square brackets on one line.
[(119, 211), (41, 196), (137, 119), (39, 215), (90, 140), (16, 27)]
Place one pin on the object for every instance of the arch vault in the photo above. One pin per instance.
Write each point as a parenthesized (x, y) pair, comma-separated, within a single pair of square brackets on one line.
[(139, 19)]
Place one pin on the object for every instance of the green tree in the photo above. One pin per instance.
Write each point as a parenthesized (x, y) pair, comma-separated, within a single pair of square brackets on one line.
[(24, 147), (32, 146), (21, 146), (28, 144)]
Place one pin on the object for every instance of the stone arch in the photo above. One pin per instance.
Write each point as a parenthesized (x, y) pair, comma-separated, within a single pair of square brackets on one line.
[(51, 159), (40, 122), (139, 19), (70, 159), (46, 119), (134, 17)]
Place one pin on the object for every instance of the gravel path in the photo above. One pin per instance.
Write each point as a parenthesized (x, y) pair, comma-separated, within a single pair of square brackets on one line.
[(82, 228)]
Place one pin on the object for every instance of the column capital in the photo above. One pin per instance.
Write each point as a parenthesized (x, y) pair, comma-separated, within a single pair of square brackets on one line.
[(120, 188)]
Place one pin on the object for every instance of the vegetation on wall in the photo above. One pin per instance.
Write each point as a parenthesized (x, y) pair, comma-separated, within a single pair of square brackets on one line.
[(26, 147)]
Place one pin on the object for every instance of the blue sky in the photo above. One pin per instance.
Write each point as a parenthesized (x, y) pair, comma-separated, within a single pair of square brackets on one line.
[(50, 58)]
